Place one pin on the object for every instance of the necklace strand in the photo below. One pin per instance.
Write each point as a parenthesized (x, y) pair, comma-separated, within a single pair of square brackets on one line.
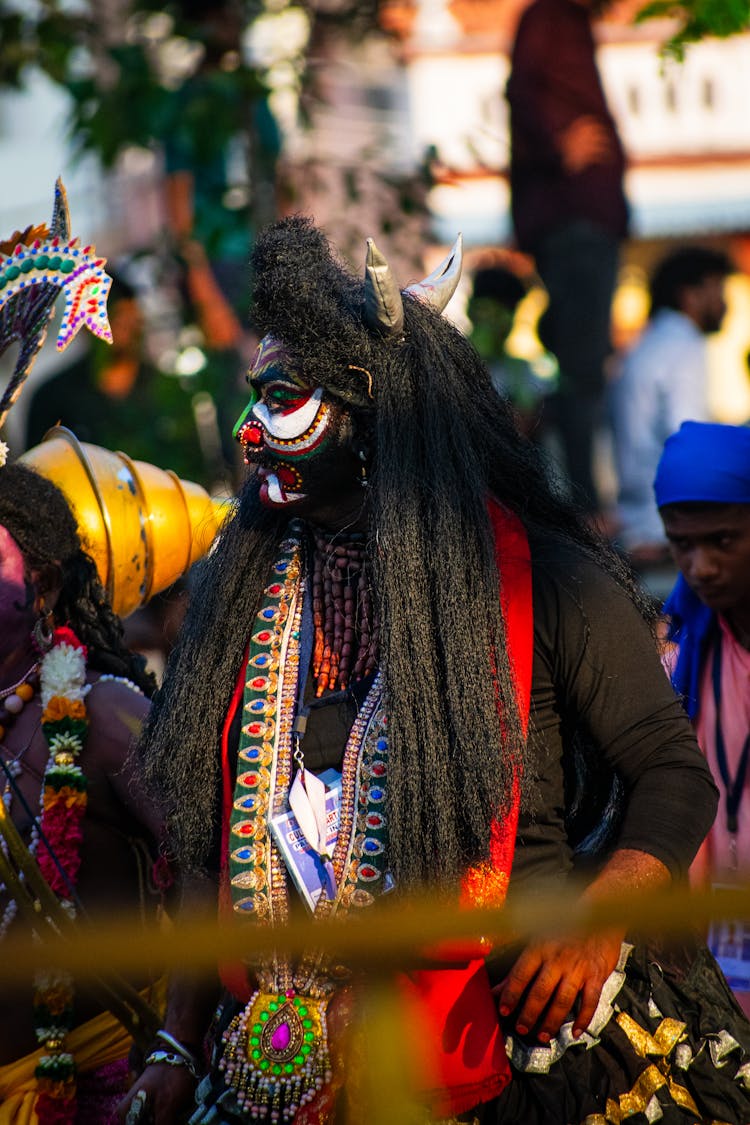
[(5, 692)]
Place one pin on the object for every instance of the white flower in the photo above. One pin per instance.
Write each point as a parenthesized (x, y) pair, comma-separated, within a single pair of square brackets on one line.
[(43, 1034), (63, 673), (4, 451), (70, 742)]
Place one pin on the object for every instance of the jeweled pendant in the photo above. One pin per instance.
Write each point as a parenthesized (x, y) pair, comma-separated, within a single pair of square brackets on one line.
[(276, 1054)]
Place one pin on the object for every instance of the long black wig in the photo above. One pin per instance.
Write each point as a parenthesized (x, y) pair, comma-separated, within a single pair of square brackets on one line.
[(441, 443)]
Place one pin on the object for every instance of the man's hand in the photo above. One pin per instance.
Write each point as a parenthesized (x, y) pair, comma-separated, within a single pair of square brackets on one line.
[(586, 141), (548, 978), (165, 1094)]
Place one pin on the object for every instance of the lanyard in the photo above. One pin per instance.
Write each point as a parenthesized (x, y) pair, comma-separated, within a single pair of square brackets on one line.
[(734, 788), (307, 795)]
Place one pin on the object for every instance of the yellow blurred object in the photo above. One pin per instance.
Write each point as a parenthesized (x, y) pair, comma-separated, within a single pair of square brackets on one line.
[(142, 526)]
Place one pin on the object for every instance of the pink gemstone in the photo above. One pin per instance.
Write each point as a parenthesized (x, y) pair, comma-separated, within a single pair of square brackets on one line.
[(281, 1036)]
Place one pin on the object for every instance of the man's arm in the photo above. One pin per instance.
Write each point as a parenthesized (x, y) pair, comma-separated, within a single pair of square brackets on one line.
[(555, 94), (601, 659), (558, 972), (191, 1001)]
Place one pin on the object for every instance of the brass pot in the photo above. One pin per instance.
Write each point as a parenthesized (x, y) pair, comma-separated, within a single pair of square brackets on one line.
[(142, 526)]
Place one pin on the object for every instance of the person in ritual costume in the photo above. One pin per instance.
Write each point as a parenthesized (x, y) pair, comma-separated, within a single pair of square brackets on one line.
[(71, 699), (403, 619)]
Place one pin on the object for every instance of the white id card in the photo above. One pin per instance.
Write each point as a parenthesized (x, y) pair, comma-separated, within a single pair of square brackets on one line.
[(311, 875)]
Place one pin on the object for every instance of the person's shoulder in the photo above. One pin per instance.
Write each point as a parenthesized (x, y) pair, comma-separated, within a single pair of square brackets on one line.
[(559, 558), (568, 571), (665, 336), (116, 700), (536, 15), (672, 327)]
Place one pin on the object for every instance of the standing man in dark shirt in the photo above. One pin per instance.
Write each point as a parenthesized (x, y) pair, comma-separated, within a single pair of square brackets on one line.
[(569, 208)]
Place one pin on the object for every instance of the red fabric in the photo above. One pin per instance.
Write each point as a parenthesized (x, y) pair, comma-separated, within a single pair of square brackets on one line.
[(451, 1012), (64, 635)]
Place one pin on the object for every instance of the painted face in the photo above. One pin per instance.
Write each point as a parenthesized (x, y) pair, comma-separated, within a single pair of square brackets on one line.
[(298, 438), (16, 614), (711, 546)]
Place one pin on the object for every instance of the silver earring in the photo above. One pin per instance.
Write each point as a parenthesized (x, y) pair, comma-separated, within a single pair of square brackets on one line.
[(42, 634)]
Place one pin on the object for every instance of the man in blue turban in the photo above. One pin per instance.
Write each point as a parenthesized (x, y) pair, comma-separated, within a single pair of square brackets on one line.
[(702, 491)]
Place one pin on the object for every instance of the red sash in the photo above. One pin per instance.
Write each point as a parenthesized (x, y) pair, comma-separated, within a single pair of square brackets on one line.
[(450, 1013), (459, 1047)]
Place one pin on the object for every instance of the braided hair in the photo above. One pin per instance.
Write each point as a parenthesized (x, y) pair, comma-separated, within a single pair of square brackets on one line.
[(39, 518)]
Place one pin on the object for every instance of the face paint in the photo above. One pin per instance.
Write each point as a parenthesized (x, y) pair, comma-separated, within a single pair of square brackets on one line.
[(285, 424)]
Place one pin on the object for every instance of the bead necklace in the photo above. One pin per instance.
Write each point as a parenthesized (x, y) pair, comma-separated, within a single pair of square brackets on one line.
[(13, 699), (346, 626), (13, 770), (62, 808)]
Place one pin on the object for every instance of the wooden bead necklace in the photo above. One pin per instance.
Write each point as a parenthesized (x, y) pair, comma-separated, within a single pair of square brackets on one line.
[(346, 626)]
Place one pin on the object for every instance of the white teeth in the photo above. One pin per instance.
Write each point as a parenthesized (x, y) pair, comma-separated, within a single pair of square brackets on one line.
[(274, 489)]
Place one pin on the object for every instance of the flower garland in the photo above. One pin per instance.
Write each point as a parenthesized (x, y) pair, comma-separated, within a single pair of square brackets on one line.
[(63, 806)]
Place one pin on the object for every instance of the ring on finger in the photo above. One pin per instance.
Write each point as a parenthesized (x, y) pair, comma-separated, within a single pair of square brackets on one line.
[(137, 1107)]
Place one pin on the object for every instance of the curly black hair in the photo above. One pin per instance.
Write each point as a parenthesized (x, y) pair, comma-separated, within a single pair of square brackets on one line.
[(38, 516)]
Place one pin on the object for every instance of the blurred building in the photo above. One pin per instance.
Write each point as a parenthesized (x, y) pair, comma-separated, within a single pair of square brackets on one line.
[(684, 127), (683, 124)]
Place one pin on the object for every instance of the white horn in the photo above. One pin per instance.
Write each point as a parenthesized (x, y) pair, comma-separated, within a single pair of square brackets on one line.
[(438, 288)]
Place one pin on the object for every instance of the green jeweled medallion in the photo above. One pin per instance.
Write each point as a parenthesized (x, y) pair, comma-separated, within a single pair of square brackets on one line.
[(276, 1053)]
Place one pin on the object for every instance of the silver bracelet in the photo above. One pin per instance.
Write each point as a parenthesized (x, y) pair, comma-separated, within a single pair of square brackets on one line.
[(175, 1044), (170, 1058)]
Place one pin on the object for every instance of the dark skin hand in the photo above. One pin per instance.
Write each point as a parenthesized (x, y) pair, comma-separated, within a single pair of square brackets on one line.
[(170, 1094), (551, 975), (170, 1090), (585, 142)]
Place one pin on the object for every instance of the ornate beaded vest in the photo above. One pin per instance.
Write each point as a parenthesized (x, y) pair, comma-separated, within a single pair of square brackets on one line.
[(275, 1055)]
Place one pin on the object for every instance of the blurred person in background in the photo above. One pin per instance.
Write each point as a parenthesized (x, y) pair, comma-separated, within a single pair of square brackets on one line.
[(496, 294), (113, 396), (67, 718), (662, 382), (702, 491), (569, 208)]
